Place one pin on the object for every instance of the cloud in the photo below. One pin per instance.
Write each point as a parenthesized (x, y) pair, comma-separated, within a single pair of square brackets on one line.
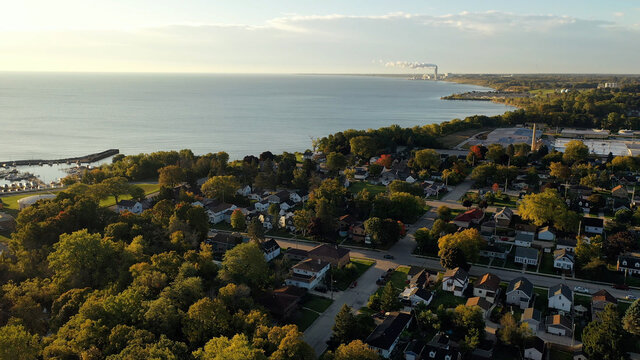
[(489, 41)]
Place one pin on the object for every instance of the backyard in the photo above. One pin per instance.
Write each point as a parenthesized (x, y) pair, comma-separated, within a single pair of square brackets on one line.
[(361, 265), (358, 186)]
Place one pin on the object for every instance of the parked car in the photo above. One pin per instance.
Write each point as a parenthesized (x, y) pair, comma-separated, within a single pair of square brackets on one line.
[(631, 297), (621, 286), (583, 290), (387, 256)]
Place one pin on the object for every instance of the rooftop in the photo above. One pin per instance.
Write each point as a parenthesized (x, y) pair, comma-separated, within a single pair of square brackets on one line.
[(385, 334)]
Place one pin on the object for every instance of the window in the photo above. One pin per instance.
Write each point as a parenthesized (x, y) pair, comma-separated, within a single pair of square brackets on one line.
[(624, 262)]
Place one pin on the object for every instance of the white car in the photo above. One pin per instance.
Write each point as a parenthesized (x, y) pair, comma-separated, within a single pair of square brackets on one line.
[(631, 297), (583, 290)]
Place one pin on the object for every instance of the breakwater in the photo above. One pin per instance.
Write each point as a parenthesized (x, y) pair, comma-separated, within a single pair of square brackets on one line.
[(80, 159)]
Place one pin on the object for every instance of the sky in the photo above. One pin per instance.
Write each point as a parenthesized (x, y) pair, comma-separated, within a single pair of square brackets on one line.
[(328, 36)]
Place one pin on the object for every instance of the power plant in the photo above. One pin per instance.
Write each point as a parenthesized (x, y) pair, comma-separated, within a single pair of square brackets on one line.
[(416, 66)]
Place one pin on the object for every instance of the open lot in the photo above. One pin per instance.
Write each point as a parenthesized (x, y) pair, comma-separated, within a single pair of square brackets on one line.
[(358, 186)]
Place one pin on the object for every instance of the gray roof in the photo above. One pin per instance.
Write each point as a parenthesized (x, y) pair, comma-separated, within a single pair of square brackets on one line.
[(522, 284), (524, 237), (525, 252), (561, 289)]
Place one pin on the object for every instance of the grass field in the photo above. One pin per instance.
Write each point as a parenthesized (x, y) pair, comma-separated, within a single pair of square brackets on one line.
[(148, 189), (10, 202), (361, 265), (305, 318), (358, 186), (317, 303), (451, 140), (446, 298)]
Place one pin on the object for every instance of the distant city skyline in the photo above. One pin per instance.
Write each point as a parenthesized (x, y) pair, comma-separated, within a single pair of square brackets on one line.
[(320, 37)]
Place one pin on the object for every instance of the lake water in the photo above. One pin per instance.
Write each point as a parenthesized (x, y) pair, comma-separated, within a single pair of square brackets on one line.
[(57, 115)]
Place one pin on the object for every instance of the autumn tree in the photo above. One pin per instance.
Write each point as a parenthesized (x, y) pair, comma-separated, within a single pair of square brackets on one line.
[(631, 319), (16, 343), (223, 348), (363, 146), (170, 175), (355, 350), (255, 230), (238, 220), (575, 151), (336, 162), (511, 333), (222, 187), (245, 264), (302, 219), (560, 171), (547, 207), (427, 159), (469, 241)]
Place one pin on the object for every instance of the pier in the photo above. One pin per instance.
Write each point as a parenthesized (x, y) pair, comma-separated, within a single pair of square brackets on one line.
[(81, 159)]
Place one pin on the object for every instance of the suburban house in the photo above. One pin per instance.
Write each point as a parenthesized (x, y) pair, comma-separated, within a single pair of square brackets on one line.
[(558, 325), (480, 302), (132, 206), (497, 251), (520, 292), (526, 255), (434, 189), (419, 279), (412, 296), (629, 262), (296, 254), (534, 349), (593, 225), (299, 196), (283, 303), (271, 249), (262, 206), (563, 259), (455, 280), (279, 197), (216, 212), (533, 318), (361, 173), (567, 243), (287, 205), (266, 220), (560, 298), (344, 224), (357, 232), (286, 222), (524, 239), (335, 255), (244, 191), (414, 350), (308, 273), (441, 348), (598, 302), (503, 217), (487, 287), (385, 336), (221, 243), (620, 192), (546, 234), (387, 177), (469, 217)]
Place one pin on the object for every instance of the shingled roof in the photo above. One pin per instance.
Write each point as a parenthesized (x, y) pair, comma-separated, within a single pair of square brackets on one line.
[(385, 334)]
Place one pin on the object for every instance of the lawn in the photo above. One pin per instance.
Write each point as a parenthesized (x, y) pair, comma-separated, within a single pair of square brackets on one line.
[(305, 318), (10, 203), (546, 266), (358, 186), (316, 303), (361, 265), (447, 299), (399, 277), (559, 354), (451, 140), (148, 189)]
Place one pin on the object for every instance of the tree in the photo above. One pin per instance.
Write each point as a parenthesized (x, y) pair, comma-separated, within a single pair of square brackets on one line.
[(16, 343), (389, 298), (255, 230), (424, 240), (363, 146), (575, 151), (427, 159), (302, 219), (453, 257), (511, 333), (81, 259), (345, 326), (469, 241), (137, 193), (336, 161), (115, 187), (293, 347), (603, 339), (496, 153), (631, 319), (245, 264), (238, 220), (560, 171), (619, 243), (170, 176), (223, 348), (220, 187), (355, 350), (444, 213), (205, 319), (547, 207)]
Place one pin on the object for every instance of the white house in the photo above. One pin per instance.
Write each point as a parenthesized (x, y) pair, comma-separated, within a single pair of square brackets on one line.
[(563, 259), (266, 220), (308, 273), (286, 222), (524, 239), (271, 249), (279, 197), (534, 349), (526, 255), (533, 318), (560, 298), (416, 295), (262, 206), (287, 205), (216, 213), (546, 234), (131, 206), (244, 191), (629, 262), (520, 292), (593, 225), (299, 196), (455, 280), (487, 287), (410, 179), (385, 336)]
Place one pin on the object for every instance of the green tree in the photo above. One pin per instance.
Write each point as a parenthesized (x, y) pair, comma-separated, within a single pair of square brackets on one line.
[(631, 319), (16, 343), (82, 259), (603, 339), (363, 146), (560, 171), (453, 257), (427, 159), (115, 186), (389, 298), (293, 347), (223, 348), (170, 176), (245, 264), (302, 219), (547, 207), (206, 319), (444, 213), (238, 220), (336, 161), (469, 241), (355, 350), (511, 333), (222, 187), (255, 230), (345, 326), (496, 153), (575, 151)]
